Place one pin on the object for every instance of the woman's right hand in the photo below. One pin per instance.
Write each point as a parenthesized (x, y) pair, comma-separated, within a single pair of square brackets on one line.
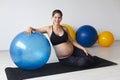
[(29, 30)]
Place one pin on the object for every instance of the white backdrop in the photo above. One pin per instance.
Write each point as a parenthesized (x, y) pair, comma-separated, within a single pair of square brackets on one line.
[(17, 15)]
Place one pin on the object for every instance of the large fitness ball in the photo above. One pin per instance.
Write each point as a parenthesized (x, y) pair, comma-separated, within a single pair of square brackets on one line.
[(105, 39), (86, 35), (30, 52), (71, 31)]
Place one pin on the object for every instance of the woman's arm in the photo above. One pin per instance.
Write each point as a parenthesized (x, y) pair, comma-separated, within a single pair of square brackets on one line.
[(76, 44), (41, 29)]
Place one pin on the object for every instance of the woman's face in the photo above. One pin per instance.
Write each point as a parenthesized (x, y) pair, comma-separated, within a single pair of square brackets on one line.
[(57, 18)]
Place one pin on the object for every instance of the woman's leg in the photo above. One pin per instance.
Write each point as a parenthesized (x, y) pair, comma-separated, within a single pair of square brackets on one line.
[(81, 53), (78, 59)]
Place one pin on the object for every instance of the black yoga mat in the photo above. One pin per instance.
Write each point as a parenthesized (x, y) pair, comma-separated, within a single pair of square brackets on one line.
[(51, 69)]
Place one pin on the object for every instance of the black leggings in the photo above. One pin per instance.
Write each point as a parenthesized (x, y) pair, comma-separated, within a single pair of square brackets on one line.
[(78, 59)]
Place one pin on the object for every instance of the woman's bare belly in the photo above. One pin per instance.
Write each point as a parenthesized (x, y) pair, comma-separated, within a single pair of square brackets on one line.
[(64, 50)]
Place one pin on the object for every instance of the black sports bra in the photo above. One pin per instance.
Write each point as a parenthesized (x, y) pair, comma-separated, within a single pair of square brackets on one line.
[(55, 39)]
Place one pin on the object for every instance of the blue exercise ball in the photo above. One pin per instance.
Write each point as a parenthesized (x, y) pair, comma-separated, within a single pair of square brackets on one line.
[(30, 52), (86, 35)]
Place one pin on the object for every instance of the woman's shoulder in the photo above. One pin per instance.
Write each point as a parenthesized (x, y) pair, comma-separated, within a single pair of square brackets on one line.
[(65, 28), (48, 28)]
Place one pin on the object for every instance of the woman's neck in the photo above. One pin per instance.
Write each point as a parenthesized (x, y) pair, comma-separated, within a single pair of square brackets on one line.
[(56, 26)]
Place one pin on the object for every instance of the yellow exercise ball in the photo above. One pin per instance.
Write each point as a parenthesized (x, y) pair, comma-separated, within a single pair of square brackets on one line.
[(105, 39), (71, 31)]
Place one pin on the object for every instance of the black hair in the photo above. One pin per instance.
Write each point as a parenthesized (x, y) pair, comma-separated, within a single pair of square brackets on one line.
[(57, 11)]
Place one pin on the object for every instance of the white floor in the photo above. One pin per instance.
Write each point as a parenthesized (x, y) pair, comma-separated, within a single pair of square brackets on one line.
[(105, 73)]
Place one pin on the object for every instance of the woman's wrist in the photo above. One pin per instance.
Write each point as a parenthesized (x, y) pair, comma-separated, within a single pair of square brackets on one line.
[(32, 29)]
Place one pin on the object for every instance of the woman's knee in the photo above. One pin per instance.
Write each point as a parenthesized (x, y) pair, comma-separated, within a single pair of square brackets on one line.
[(85, 62)]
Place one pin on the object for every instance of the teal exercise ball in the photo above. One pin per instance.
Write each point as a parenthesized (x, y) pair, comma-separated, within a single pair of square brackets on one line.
[(86, 35), (30, 52)]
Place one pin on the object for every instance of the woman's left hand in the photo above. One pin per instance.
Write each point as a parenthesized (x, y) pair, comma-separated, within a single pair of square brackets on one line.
[(86, 51)]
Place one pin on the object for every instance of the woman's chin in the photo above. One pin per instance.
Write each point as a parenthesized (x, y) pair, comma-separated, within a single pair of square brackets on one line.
[(56, 23)]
